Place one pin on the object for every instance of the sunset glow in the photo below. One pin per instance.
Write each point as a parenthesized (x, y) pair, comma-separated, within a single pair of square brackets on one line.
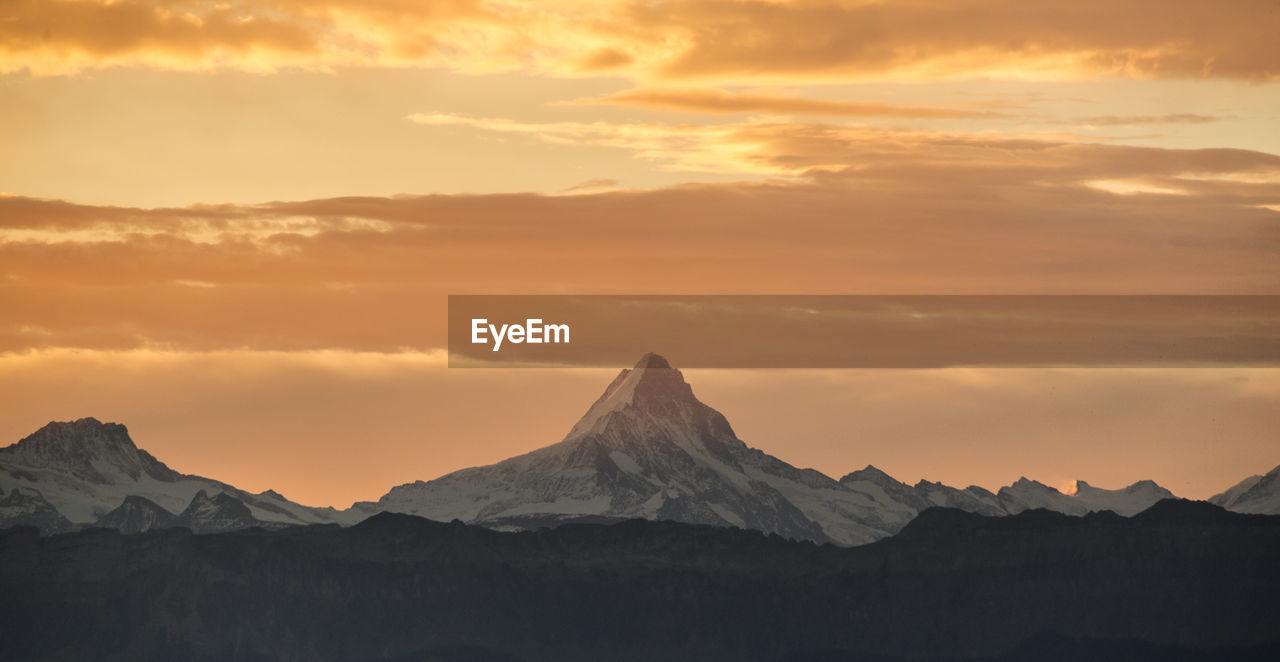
[(233, 226)]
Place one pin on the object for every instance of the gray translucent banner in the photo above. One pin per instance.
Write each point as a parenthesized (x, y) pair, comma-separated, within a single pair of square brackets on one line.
[(823, 331)]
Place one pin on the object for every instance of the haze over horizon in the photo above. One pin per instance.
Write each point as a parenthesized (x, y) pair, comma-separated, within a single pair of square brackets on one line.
[(1096, 458), (232, 226)]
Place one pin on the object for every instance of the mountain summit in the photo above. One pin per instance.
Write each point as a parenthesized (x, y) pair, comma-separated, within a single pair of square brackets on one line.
[(90, 450), (652, 389), (86, 472), (648, 448)]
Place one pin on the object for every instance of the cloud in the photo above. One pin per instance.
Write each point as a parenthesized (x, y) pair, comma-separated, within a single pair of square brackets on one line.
[(1171, 118), (605, 59), (709, 40), (57, 36), (65, 36), (854, 210), (592, 184), (687, 147), (702, 100), (932, 39), (783, 147)]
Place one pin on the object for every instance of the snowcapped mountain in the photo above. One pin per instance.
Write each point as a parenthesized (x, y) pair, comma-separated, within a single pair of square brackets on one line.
[(86, 469), (1126, 501), (1027, 494), (1023, 494), (1255, 494), (924, 494), (648, 448)]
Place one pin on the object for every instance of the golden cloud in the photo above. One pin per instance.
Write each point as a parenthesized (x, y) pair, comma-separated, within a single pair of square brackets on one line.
[(864, 211), (712, 40), (926, 39)]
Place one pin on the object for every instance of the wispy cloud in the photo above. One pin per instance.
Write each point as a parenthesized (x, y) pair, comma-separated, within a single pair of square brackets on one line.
[(689, 147), (784, 147), (592, 185), (717, 101), (1171, 118)]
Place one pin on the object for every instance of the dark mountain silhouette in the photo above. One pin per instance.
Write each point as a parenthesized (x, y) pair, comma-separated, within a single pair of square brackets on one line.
[(1180, 581)]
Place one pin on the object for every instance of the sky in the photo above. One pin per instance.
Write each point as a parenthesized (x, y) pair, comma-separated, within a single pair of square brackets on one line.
[(233, 226)]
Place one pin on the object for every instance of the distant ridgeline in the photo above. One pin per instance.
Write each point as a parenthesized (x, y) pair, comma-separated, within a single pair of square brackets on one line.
[(647, 448)]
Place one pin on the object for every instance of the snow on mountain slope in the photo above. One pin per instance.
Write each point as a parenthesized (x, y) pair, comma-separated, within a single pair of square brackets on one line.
[(86, 468), (1255, 494), (1027, 494), (1233, 494), (973, 499), (1024, 494), (907, 501), (1127, 501)]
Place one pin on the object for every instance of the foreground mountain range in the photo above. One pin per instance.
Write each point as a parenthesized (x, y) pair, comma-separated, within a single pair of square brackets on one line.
[(1180, 581), (647, 448)]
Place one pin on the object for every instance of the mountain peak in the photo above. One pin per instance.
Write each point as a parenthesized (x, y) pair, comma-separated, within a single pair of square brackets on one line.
[(1024, 483), (651, 360), (870, 473), (137, 514), (59, 432), (652, 385), (1083, 488), (220, 512), (89, 449)]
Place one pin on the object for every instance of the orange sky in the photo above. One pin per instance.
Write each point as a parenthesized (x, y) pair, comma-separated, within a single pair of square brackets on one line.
[(232, 226)]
